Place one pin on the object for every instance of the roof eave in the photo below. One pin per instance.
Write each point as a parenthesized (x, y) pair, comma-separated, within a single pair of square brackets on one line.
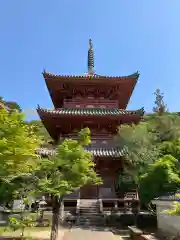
[(46, 75), (116, 153), (139, 113)]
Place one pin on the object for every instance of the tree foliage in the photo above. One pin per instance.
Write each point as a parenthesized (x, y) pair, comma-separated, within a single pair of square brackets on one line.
[(153, 152), (161, 177), (153, 148), (165, 127), (11, 105), (160, 107), (175, 210), (39, 130), (22, 220), (17, 151), (139, 142), (71, 168), (171, 148)]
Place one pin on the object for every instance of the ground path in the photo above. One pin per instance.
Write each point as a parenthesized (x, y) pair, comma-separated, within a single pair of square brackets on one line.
[(71, 234), (82, 234), (77, 234)]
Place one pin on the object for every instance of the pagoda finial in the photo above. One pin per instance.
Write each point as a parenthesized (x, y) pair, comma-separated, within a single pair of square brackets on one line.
[(90, 58), (90, 44)]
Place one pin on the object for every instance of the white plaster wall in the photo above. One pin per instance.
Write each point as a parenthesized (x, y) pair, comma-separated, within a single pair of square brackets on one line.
[(167, 224)]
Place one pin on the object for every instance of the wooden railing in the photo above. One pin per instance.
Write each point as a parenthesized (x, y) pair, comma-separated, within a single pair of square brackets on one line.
[(100, 136), (99, 143), (83, 103)]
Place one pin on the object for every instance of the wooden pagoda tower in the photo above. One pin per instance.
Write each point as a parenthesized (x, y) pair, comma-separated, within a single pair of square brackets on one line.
[(94, 101)]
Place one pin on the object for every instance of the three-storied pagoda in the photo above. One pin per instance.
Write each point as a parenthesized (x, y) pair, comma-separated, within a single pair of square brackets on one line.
[(94, 101)]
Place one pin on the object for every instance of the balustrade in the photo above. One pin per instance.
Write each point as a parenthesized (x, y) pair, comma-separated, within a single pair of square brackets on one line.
[(90, 103), (97, 142)]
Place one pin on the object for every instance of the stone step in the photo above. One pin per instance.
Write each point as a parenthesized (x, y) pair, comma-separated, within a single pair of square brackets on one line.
[(86, 207), (88, 210), (89, 214), (89, 207), (89, 201), (88, 204)]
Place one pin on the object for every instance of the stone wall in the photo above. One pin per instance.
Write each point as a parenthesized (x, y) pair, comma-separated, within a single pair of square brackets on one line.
[(167, 225)]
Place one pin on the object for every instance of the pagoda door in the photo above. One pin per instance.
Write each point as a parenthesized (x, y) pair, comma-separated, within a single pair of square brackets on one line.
[(107, 190), (89, 192)]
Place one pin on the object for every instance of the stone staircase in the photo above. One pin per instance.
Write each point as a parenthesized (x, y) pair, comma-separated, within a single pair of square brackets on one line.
[(89, 213)]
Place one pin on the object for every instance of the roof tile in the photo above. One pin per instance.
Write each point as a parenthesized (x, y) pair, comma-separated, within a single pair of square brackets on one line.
[(92, 111), (113, 152)]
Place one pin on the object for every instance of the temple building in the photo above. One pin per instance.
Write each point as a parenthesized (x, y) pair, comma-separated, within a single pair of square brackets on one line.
[(98, 102)]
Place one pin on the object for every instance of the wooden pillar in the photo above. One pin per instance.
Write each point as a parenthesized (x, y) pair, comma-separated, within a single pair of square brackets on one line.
[(97, 191)]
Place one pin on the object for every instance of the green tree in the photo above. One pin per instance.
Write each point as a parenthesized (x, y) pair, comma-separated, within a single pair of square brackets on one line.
[(22, 220), (160, 107), (161, 177), (40, 130), (138, 141), (171, 148), (165, 127), (11, 105), (175, 210), (17, 150), (70, 169), (155, 137)]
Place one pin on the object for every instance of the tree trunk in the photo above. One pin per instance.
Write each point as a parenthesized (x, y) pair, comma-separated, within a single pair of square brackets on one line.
[(56, 203), (22, 234)]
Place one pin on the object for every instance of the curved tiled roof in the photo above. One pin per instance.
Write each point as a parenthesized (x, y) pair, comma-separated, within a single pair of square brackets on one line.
[(92, 111), (95, 76), (104, 152)]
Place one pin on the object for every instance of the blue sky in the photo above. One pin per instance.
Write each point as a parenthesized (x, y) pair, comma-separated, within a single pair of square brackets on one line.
[(128, 35)]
